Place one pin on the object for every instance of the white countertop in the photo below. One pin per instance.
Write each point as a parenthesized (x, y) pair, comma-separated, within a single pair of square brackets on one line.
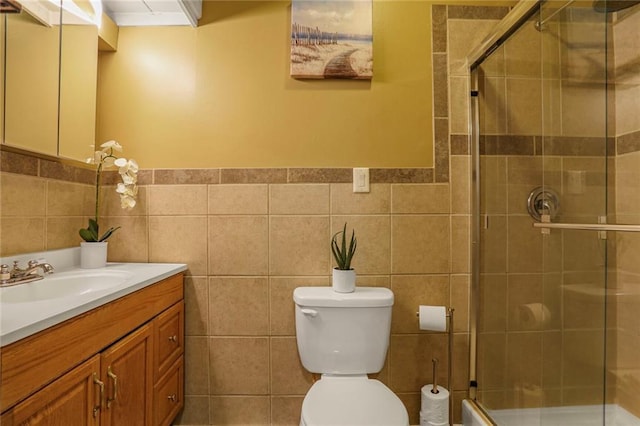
[(24, 318)]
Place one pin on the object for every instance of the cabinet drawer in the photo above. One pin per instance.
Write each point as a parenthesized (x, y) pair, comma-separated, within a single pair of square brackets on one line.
[(169, 338), (168, 395)]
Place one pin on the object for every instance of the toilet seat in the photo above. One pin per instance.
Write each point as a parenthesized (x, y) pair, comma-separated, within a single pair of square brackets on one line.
[(352, 401)]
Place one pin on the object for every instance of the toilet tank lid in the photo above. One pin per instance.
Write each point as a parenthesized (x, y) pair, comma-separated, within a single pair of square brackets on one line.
[(364, 297)]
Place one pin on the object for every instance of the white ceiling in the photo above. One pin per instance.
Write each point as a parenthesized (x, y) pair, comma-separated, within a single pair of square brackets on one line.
[(153, 12)]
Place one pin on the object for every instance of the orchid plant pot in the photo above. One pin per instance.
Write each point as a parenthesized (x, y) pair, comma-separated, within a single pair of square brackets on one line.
[(343, 280), (93, 254)]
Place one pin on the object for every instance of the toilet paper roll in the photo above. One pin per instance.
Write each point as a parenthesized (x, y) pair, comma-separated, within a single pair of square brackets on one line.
[(433, 318), (435, 407), (534, 315)]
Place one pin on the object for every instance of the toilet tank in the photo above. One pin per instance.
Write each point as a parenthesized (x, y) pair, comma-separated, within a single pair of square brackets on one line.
[(343, 333)]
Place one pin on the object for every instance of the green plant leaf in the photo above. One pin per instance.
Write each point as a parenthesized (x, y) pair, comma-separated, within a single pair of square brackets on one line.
[(87, 235), (341, 253), (108, 233)]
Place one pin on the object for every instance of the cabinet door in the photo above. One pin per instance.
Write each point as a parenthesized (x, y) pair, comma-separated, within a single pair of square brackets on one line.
[(168, 338), (127, 371), (71, 400)]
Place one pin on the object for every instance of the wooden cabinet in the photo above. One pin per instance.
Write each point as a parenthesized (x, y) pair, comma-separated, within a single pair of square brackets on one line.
[(72, 400), (126, 371), (136, 379)]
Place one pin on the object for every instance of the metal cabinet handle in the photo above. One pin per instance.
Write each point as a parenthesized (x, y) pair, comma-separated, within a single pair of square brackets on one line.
[(101, 386), (172, 398), (115, 386), (173, 338)]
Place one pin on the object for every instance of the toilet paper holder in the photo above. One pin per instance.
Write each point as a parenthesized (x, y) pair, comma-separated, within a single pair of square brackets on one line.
[(449, 315)]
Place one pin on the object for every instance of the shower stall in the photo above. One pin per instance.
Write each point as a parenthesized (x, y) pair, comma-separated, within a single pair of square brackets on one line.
[(555, 129)]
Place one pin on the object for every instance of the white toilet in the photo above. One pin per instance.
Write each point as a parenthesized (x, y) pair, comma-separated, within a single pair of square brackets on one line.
[(344, 336)]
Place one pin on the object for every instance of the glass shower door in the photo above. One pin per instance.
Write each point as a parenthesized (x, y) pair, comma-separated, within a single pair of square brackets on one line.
[(542, 118)]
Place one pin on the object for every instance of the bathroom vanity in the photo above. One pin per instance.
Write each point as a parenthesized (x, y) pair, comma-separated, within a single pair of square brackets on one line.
[(117, 359)]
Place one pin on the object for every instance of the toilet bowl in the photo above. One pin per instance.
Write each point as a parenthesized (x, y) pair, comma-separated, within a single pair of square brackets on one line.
[(345, 336), (352, 401)]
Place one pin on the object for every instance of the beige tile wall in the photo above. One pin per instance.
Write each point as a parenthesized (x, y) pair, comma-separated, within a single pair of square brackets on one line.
[(249, 245)]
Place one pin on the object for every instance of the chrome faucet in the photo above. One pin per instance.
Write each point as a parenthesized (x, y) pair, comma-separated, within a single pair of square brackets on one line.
[(18, 275), (32, 268)]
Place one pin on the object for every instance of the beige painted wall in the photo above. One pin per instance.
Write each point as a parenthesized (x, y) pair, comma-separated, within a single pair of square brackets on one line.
[(221, 96)]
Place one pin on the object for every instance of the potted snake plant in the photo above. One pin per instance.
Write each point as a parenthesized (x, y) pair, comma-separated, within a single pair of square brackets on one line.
[(344, 276)]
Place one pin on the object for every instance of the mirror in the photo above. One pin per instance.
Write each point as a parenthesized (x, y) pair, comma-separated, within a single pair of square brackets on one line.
[(31, 76), (78, 87), (50, 80)]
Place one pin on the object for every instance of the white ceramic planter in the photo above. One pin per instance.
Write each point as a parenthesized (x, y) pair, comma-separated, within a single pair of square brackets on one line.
[(344, 281), (93, 255)]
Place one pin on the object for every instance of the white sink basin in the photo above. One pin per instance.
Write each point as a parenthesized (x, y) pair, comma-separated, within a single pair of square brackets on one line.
[(65, 284)]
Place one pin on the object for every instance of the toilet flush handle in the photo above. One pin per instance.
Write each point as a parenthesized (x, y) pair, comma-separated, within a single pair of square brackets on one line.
[(309, 312)]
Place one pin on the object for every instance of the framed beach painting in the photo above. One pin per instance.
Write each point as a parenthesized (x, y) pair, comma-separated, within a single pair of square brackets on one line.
[(332, 39)]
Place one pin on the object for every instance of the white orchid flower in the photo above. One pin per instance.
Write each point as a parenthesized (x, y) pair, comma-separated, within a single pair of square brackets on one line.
[(128, 179), (130, 190), (127, 202), (120, 162), (108, 161), (111, 145)]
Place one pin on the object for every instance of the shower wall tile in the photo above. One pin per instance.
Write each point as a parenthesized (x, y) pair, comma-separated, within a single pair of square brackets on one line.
[(523, 96), (524, 363), (524, 303), (628, 184), (523, 52), (493, 172), (492, 244), (493, 103), (464, 35), (583, 358), (492, 355), (523, 175), (493, 303), (494, 65), (584, 110), (459, 110)]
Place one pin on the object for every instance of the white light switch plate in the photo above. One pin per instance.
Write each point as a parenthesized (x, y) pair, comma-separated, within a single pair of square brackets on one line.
[(360, 179)]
